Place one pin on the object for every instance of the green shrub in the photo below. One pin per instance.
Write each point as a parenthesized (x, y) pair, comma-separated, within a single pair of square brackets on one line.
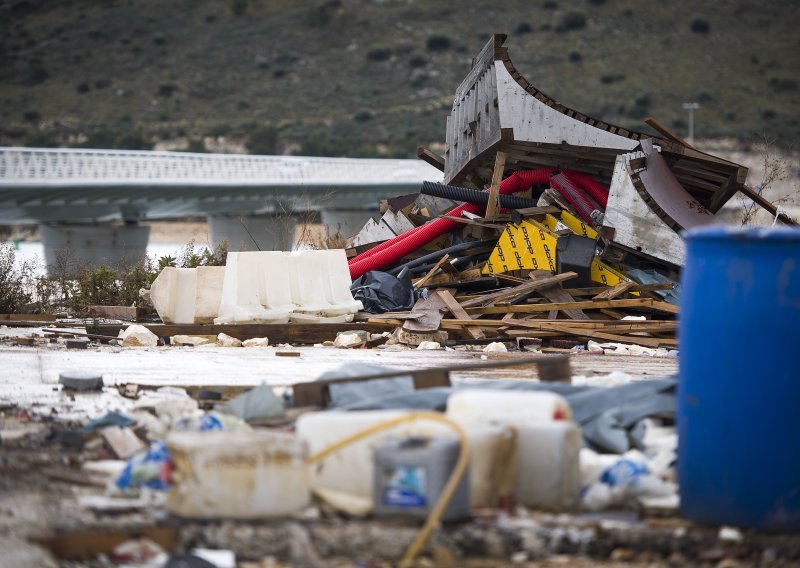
[(416, 61), (318, 16), (15, 281), (438, 43), (572, 21), (523, 28), (263, 140), (700, 26), (379, 53)]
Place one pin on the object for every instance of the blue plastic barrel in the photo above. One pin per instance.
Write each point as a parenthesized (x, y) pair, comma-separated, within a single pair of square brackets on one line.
[(739, 389)]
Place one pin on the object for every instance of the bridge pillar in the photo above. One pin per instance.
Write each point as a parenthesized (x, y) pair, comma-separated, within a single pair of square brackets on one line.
[(273, 231), (348, 221), (116, 246)]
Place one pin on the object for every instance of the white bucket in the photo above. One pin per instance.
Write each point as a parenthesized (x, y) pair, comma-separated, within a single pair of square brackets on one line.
[(241, 475)]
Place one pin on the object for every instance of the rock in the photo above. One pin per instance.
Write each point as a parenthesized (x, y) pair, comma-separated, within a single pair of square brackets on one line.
[(256, 342), (429, 346), (495, 347), (81, 380), (414, 339), (225, 340), (351, 339), (192, 340), (138, 336)]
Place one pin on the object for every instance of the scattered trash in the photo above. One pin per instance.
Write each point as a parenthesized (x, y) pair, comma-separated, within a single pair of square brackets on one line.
[(151, 469), (81, 380), (259, 403)]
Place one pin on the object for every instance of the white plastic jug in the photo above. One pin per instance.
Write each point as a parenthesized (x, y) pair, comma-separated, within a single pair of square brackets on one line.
[(345, 478), (508, 405), (242, 475), (548, 449)]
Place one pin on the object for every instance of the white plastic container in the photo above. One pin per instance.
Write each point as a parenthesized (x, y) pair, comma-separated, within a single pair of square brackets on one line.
[(507, 405), (241, 475), (345, 478), (188, 295), (549, 473), (548, 450)]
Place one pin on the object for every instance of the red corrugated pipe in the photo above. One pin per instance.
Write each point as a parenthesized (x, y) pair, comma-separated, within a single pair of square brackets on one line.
[(393, 250), (596, 190), (572, 193)]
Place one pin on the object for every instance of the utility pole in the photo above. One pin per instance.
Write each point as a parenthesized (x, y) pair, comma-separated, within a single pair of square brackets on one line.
[(691, 107)]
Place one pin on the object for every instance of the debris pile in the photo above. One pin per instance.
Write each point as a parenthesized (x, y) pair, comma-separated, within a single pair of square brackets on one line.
[(551, 225)]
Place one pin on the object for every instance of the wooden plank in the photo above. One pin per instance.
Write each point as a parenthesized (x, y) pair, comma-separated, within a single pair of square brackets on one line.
[(556, 294), (665, 132), (456, 309), (593, 334), (615, 326), (303, 334), (421, 281), (27, 317), (615, 291), (431, 157), (89, 543), (116, 312), (517, 290), (582, 305), (765, 204), (493, 207), (594, 290)]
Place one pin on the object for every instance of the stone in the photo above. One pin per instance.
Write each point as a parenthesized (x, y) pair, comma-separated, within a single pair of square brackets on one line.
[(225, 340), (138, 336), (495, 347), (256, 342), (413, 338), (192, 340), (81, 380), (351, 339), (429, 346)]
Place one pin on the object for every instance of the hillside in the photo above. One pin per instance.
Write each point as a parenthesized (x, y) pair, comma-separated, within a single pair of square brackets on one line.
[(369, 78)]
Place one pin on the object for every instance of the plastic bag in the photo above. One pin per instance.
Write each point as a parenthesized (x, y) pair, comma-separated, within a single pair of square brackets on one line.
[(151, 468), (381, 292)]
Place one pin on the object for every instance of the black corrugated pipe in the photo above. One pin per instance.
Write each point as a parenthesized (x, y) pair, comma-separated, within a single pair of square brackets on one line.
[(473, 195), (456, 262), (440, 253)]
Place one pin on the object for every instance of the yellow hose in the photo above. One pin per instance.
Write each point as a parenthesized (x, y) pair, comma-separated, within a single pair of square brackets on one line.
[(450, 487)]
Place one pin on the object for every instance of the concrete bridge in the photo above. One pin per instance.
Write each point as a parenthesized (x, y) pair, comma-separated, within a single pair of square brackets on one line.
[(80, 196)]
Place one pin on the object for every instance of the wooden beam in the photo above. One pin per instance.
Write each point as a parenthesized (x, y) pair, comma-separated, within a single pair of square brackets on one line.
[(615, 291), (519, 290), (583, 305), (765, 204), (666, 132), (493, 207), (420, 282), (431, 157), (299, 333), (456, 309)]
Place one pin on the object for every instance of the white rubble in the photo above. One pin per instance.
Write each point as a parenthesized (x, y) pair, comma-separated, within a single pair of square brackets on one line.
[(138, 336), (256, 342), (495, 347), (225, 340)]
